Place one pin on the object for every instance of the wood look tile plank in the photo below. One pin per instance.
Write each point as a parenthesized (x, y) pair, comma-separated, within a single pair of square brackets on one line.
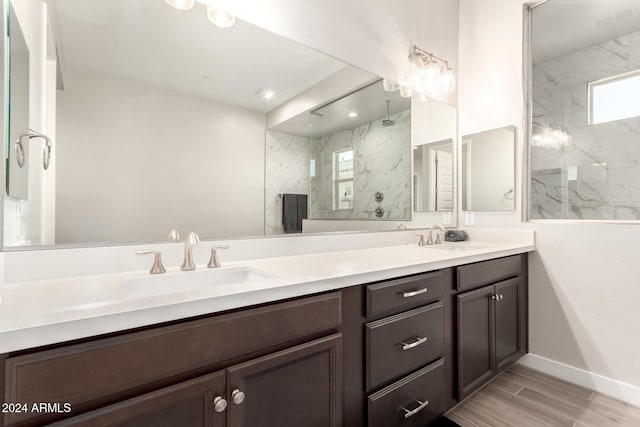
[(480, 417), (615, 409), (453, 416), (583, 415), (514, 416), (527, 406), (552, 381), (505, 384), (547, 389)]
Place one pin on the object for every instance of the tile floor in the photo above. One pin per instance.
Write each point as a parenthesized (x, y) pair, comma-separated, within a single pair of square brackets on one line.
[(522, 397)]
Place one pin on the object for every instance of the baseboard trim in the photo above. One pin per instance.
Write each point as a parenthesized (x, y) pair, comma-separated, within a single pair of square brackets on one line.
[(617, 389)]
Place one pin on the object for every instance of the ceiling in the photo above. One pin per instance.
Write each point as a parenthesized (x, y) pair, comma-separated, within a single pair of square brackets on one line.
[(561, 27), (149, 42), (370, 104)]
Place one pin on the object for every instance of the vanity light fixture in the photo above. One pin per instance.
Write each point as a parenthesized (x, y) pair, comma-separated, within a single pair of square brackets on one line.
[(352, 114), (552, 137), (425, 73), (180, 4), (220, 18)]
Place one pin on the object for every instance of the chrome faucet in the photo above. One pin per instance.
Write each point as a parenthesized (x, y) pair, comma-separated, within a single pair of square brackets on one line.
[(438, 240), (191, 240)]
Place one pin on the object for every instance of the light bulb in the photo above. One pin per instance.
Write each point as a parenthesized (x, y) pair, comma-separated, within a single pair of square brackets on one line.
[(180, 4), (448, 81), (405, 92), (432, 74), (419, 97), (220, 18), (414, 73), (390, 86)]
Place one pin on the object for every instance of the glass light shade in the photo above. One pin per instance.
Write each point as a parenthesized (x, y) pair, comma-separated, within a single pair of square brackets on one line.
[(180, 4), (414, 73), (220, 18), (448, 81), (419, 97), (405, 92), (390, 86), (432, 75)]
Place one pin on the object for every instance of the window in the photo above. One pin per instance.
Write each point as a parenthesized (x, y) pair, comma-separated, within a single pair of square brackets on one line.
[(614, 98), (343, 179)]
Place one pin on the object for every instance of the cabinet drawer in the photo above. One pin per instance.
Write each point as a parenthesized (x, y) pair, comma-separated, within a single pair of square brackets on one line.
[(487, 272), (400, 294), (402, 343), (414, 401), (87, 374)]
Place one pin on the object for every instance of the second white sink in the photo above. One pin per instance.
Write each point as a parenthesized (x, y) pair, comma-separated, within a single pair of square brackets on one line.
[(170, 283)]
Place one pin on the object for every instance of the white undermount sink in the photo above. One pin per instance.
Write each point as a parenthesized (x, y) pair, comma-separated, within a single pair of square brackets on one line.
[(169, 283)]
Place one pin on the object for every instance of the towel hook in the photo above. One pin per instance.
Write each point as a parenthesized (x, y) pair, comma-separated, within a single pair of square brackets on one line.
[(46, 154)]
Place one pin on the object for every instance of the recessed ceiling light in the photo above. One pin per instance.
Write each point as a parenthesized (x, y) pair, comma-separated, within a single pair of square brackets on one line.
[(219, 17), (180, 4), (353, 114), (266, 93)]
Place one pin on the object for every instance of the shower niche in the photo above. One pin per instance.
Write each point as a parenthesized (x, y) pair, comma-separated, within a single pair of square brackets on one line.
[(361, 150)]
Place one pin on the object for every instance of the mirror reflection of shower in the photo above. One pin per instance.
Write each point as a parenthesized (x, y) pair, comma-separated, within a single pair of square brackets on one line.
[(388, 121)]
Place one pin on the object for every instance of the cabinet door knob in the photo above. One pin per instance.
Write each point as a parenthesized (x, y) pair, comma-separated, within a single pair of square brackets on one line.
[(219, 404), (494, 297), (237, 396), (421, 406)]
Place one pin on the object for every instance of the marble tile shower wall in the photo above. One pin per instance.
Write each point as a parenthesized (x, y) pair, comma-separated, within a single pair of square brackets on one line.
[(382, 162), (286, 171), (598, 176)]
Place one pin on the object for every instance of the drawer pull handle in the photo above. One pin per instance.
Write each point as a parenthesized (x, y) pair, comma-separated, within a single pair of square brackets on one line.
[(417, 342), (414, 293), (421, 406)]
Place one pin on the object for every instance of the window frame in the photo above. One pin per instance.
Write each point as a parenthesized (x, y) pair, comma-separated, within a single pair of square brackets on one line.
[(337, 180), (604, 81)]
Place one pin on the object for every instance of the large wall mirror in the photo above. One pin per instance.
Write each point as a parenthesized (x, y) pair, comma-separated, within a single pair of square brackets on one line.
[(156, 119), (488, 170)]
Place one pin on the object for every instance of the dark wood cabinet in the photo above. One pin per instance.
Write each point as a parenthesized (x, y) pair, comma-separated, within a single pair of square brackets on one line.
[(393, 353), (475, 339), (299, 386), (490, 327)]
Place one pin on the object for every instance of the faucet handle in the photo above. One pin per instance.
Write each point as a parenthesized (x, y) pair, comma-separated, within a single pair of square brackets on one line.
[(438, 238), (214, 262), (421, 240), (157, 267), (174, 235)]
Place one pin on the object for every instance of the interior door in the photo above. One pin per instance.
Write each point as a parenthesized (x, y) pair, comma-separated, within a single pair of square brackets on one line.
[(299, 386), (475, 339), (508, 320)]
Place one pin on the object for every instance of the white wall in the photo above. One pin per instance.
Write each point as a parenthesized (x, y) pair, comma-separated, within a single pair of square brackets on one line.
[(176, 162), (375, 35), (584, 277)]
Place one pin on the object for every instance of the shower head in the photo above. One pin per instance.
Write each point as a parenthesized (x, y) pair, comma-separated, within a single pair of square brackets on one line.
[(388, 122)]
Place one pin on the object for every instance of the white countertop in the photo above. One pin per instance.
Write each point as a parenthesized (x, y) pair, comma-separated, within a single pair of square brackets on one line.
[(45, 312)]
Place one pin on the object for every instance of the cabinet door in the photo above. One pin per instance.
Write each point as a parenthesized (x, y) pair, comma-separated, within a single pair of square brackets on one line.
[(187, 404), (508, 322), (475, 339), (299, 386)]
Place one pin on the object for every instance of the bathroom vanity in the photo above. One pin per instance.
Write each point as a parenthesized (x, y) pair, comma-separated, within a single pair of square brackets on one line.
[(399, 351)]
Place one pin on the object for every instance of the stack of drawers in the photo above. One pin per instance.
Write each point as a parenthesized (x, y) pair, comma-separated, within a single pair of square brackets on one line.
[(404, 349)]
